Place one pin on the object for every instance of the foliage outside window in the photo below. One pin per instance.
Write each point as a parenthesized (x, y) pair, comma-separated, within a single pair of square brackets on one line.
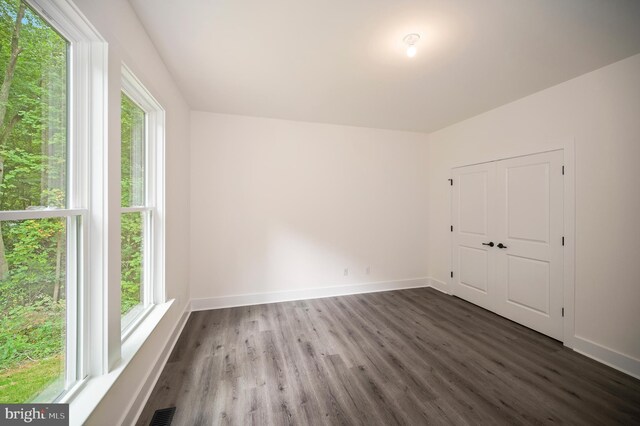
[(34, 215), (134, 217)]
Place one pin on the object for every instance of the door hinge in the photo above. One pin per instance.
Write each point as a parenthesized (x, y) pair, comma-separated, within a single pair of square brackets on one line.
[(563, 241), (562, 311), (451, 274), (450, 181), (562, 170), (451, 228)]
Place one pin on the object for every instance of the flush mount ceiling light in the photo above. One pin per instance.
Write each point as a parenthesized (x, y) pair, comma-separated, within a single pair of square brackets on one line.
[(411, 40)]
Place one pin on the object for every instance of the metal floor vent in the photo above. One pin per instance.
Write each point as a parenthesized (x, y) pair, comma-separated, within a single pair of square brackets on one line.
[(163, 417)]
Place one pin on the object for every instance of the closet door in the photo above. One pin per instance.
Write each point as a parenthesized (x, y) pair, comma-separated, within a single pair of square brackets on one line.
[(528, 223), (473, 227)]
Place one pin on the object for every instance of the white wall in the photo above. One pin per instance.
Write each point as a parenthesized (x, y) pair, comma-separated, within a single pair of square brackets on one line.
[(601, 112), (280, 205), (128, 43)]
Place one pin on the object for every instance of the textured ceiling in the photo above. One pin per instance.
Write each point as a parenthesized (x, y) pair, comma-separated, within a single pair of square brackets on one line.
[(343, 62)]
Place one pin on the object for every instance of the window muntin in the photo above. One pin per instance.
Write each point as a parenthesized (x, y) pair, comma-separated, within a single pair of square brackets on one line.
[(38, 257)]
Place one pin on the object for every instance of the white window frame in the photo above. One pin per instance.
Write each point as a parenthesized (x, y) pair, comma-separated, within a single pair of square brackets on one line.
[(153, 288), (86, 197)]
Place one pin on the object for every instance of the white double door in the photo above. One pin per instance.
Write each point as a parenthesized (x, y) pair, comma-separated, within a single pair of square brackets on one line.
[(508, 239)]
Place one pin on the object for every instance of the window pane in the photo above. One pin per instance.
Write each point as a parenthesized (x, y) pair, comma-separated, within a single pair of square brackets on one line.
[(133, 153), (33, 173), (33, 307), (132, 260), (33, 111)]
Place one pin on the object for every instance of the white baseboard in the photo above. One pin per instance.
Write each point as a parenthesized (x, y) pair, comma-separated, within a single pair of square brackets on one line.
[(439, 285), (607, 356), (316, 293), (137, 405)]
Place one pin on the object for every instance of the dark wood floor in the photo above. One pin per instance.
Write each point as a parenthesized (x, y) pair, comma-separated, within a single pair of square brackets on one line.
[(401, 357)]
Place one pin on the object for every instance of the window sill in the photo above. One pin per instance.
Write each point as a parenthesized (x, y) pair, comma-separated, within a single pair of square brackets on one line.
[(86, 395), (133, 319)]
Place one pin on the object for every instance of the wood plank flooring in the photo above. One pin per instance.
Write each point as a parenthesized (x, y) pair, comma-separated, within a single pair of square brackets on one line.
[(400, 357)]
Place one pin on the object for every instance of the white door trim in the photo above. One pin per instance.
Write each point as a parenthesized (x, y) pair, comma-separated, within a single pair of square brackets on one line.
[(568, 287)]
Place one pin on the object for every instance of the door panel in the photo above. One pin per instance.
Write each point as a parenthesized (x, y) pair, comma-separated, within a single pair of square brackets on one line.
[(528, 283), (474, 269), (528, 220), (473, 262), (528, 202), (474, 193)]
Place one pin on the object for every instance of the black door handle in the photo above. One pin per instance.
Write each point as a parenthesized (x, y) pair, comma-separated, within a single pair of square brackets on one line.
[(500, 245), (490, 244)]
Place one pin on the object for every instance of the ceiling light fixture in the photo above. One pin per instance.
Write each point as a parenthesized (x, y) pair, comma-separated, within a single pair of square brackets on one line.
[(411, 40)]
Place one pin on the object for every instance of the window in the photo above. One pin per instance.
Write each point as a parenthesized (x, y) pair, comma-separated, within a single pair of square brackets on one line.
[(135, 213), (41, 212), (141, 123), (52, 206), (55, 210)]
